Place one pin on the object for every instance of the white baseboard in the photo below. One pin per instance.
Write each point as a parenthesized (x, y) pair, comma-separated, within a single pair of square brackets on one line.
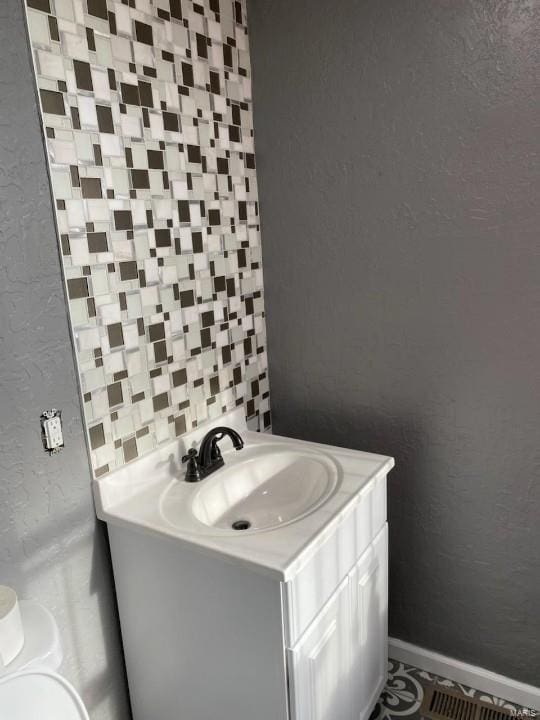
[(526, 696)]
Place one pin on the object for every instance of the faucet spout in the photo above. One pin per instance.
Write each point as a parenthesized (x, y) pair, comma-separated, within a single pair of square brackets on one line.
[(210, 452), (209, 458)]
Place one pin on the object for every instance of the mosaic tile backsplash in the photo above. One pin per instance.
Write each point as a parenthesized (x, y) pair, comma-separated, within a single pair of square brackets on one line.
[(146, 108)]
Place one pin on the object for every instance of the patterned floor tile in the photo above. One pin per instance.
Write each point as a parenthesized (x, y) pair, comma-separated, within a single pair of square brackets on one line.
[(405, 688)]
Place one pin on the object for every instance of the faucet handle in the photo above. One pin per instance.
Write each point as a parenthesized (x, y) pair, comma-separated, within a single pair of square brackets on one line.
[(191, 454), (193, 473)]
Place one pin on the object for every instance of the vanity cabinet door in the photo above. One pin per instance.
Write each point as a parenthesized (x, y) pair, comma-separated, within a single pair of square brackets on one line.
[(319, 664), (369, 619)]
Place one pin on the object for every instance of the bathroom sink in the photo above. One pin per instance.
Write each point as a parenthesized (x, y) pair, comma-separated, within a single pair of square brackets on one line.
[(260, 489), (281, 494)]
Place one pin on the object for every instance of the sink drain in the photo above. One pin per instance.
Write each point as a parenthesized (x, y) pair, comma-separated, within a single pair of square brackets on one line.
[(241, 525)]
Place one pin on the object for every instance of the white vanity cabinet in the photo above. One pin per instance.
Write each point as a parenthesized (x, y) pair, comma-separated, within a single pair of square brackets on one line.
[(337, 669), (212, 637), (288, 623)]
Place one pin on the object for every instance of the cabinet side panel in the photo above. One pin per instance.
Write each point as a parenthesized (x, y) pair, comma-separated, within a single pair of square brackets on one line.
[(203, 637)]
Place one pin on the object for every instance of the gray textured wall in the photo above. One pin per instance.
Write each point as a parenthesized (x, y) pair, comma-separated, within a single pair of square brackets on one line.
[(397, 147), (51, 548)]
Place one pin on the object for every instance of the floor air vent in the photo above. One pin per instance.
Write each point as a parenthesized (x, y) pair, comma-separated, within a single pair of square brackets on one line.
[(442, 704)]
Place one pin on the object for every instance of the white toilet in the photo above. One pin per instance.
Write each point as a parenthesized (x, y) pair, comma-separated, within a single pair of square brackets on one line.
[(30, 687)]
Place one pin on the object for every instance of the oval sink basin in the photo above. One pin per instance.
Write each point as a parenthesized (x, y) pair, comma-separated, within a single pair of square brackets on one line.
[(264, 489)]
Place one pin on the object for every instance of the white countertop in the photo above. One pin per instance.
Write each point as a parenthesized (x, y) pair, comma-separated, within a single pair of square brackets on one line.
[(133, 496)]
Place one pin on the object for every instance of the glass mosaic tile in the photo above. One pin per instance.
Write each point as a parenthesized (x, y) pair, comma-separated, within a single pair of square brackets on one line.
[(146, 110)]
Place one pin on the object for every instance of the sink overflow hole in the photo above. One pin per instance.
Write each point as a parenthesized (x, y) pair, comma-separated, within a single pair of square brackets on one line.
[(241, 525)]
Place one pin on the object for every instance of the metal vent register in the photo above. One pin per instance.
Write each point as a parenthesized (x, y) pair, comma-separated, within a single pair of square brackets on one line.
[(443, 704)]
